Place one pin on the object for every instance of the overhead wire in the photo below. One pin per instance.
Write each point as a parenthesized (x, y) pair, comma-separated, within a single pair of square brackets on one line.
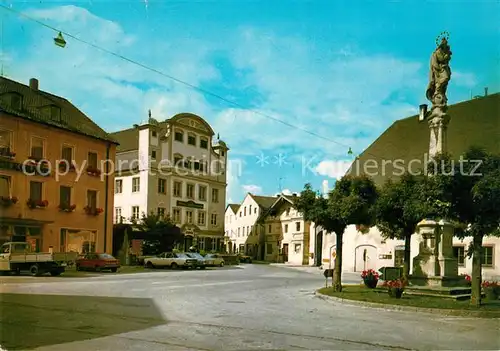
[(180, 81)]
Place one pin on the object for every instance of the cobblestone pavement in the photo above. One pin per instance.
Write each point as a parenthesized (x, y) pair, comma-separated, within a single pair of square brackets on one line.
[(255, 308)]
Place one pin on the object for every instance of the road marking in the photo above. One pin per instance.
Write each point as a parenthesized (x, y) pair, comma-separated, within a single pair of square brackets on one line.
[(193, 285)]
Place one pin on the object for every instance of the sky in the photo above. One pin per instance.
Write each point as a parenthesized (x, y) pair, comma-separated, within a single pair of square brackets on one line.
[(290, 86)]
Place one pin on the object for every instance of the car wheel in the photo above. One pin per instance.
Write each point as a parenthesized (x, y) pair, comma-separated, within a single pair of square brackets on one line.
[(174, 266), (114, 270), (150, 265), (221, 264), (78, 268)]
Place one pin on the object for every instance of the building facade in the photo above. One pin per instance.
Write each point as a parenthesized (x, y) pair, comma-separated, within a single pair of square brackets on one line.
[(242, 225), (473, 123), (56, 188), (174, 168)]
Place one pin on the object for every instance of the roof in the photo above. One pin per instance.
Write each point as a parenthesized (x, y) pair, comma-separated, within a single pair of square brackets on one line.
[(128, 139), (264, 202), (473, 123), (71, 118), (234, 207)]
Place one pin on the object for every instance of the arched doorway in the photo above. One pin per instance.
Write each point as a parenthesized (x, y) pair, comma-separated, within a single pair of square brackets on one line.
[(365, 257), (318, 250)]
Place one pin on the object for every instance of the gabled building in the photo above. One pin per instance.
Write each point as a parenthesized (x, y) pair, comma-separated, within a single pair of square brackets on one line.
[(176, 168), (243, 231), (56, 186), (286, 234), (405, 143)]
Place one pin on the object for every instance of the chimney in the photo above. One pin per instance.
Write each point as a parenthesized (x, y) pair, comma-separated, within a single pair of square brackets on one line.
[(422, 112), (34, 84), (486, 91)]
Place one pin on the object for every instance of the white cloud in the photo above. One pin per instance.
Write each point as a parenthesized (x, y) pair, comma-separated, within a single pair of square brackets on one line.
[(286, 192), (252, 188), (464, 79), (333, 169)]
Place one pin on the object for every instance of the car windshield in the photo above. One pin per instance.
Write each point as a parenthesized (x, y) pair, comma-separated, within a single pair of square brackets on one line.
[(182, 255), (106, 256), (195, 255)]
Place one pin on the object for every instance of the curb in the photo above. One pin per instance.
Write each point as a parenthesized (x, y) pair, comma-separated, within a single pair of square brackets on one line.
[(380, 306)]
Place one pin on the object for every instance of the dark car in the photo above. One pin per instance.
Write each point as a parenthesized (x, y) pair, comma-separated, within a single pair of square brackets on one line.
[(97, 262), (244, 258), (202, 262)]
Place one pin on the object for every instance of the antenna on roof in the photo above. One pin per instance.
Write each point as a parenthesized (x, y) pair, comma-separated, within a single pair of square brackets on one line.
[(1, 52)]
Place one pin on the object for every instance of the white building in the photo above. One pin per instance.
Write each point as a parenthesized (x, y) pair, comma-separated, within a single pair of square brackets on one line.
[(242, 228), (175, 168)]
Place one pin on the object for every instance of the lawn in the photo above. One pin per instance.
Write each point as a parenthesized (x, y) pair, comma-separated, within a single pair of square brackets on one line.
[(361, 293)]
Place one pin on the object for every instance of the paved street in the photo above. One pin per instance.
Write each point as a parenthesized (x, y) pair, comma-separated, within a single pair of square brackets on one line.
[(249, 308)]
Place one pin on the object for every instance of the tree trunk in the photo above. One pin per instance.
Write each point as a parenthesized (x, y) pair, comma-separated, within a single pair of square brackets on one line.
[(475, 299), (337, 283), (407, 257)]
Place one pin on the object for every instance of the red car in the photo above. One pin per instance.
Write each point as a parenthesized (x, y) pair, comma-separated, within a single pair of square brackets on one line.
[(97, 262)]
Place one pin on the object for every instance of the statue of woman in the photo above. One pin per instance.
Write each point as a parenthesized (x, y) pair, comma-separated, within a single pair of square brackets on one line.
[(440, 74)]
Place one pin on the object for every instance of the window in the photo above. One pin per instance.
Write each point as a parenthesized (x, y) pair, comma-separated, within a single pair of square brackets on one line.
[(399, 258), (5, 142), (136, 184), (269, 228), (248, 231), (192, 139), (269, 249), (244, 211), (286, 228), (459, 253), (153, 133), (92, 199), (222, 153), (67, 153), (202, 193), (65, 196), (179, 136), (135, 212), (5, 186), (36, 191), (161, 212), (215, 195), (213, 220), (203, 143), (190, 191), (255, 210), (178, 160), (176, 215), (118, 214), (118, 186), (37, 148), (243, 230), (297, 248), (239, 232), (487, 256), (297, 226), (250, 210), (92, 159), (55, 113), (177, 189), (201, 218), (189, 217), (16, 102), (162, 186), (153, 154)]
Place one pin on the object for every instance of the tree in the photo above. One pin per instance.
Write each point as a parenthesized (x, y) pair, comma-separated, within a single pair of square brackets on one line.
[(399, 208), (159, 233), (471, 194), (349, 202)]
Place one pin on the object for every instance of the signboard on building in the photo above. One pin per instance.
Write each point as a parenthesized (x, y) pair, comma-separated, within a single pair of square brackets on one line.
[(190, 204)]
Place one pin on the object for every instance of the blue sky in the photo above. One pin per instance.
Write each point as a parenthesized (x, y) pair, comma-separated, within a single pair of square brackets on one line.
[(341, 70)]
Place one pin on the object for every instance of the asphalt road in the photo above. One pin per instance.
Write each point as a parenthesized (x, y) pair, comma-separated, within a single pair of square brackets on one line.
[(253, 308)]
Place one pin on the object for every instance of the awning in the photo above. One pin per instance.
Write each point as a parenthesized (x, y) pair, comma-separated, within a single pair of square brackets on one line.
[(23, 221)]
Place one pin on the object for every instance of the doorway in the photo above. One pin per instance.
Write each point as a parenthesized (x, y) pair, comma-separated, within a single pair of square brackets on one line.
[(365, 258), (318, 250), (285, 252)]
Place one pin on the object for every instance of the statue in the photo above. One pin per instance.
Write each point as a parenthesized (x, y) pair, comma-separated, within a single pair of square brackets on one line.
[(439, 75)]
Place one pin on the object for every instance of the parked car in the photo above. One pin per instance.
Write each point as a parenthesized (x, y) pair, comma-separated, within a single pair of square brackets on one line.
[(203, 262), (97, 262), (244, 258), (216, 260), (172, 260)]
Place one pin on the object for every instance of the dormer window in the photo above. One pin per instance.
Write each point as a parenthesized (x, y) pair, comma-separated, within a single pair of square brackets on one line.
[(222, 152), (52, 111), (204, 143), (16, 101), (192, 139), (179, 136)]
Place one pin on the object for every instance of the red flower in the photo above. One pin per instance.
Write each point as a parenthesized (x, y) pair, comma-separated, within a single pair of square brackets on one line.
[(370, 274), (491, 284)]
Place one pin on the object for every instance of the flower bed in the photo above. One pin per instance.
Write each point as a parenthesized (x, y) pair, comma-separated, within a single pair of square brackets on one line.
[(370, 278)]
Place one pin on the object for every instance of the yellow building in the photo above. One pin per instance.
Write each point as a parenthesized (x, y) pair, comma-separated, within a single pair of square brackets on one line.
[(56, 189)]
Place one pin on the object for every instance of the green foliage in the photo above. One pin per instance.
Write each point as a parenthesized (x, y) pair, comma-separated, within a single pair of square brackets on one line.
[(161, 234)]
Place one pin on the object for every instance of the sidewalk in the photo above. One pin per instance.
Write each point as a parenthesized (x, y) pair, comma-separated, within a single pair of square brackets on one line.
[(347, 276)]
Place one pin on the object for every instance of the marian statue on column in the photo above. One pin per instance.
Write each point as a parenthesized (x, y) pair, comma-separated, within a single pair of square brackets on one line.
[(440, 74)]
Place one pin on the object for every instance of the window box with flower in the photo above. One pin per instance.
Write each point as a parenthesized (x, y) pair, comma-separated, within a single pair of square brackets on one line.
[(93, 211), (37, 203), (395, 287), (67, 208), (491, 289), (7, 201), (370, 278), (66, 166), (6, 153), (93, 171)]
